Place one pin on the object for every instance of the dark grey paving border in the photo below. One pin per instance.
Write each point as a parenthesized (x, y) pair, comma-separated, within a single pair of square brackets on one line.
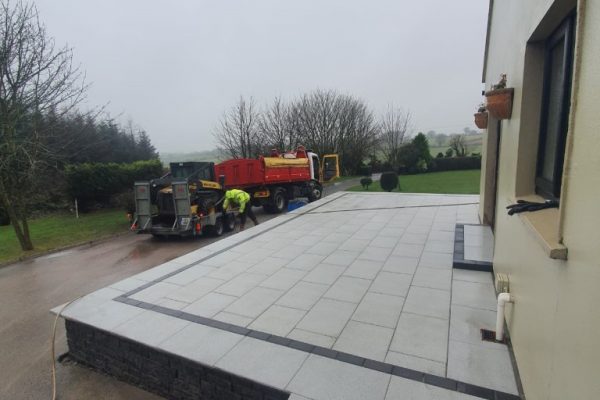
[(459, 261), (407, 373)]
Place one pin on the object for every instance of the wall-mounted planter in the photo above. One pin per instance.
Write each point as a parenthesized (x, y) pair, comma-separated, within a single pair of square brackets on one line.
[(481, 120), (499, 103)]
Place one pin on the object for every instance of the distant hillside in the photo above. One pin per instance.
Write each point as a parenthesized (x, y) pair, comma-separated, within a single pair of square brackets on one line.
[(473, 145), (209, 155)]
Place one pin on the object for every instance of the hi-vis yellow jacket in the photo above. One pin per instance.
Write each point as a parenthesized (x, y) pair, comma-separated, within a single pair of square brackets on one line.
[(237, 197)]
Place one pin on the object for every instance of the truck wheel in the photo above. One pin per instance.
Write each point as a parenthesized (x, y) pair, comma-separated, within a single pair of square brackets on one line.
[(279, 201), (315, 193), (229, 222)]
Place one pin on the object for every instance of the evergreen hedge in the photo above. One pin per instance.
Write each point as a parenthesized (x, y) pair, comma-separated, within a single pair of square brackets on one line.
[(95, 183), (455, 163)]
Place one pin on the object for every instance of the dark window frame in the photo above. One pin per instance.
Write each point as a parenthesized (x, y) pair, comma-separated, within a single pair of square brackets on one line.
[(566, 32)]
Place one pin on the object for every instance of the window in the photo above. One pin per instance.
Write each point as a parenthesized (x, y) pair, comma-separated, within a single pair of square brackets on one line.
[(555, 109)]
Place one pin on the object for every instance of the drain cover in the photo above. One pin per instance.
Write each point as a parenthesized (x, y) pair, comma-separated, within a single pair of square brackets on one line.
[(490, 336)]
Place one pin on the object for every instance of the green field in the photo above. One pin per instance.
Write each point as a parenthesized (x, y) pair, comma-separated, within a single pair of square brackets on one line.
[(60, 230), (447, 182), (473, 145)]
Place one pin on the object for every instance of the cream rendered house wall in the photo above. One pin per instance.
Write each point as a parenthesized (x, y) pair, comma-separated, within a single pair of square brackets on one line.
[(554, 323)]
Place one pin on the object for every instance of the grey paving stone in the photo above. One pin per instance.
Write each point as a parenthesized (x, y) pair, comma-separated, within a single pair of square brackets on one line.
[(189, 275), (323, 248), (439, 246), (291, 251), (231, 269), (233, 319), (473, 294), (264, 362), (278, 320), (156, 292), (210, 304), (128, 284), (348, 289), (268, 266), (354, 244), (434, 278), (312, 338), (421, 336), (241, 284), (305, 262), (365, 269), (327, 317), (337, 237), (379, 309), (303, 296), (391, 283), (284, 279), (172, 304), (472, 276), (255, 302), (150, 327), (441, 235), (256, 254), (341, 257), (413, 238), (436, 260), (323, 378), (406, 389), (364, 340), (416, 363), (392, 232), (201, 343), (418, 229), (466, 323), (384, 241), (308, 240), (408, 250), (486, 366), (100, 312), (195, 290), (375, 253), (401, 264), (428, 302), (324, 274)]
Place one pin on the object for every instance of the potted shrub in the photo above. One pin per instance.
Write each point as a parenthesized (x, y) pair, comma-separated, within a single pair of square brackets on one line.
[(499, 99), (481, 117)]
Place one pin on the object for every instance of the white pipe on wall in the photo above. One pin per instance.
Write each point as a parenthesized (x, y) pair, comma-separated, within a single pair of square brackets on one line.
[(503, 298)]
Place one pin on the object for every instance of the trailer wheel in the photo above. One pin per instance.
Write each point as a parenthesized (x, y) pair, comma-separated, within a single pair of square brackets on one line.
[(229, 222), (218, 228), (315, 193)]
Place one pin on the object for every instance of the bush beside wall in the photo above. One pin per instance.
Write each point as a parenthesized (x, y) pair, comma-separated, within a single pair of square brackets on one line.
[(455, 163)]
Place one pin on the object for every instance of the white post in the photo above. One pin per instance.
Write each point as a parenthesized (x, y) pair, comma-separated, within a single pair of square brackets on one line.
[(76, 210)]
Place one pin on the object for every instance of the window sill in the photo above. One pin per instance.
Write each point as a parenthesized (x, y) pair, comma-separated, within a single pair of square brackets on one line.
[(544, 225)]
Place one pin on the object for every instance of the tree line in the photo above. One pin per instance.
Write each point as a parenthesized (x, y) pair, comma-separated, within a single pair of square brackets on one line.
[(325, 121)]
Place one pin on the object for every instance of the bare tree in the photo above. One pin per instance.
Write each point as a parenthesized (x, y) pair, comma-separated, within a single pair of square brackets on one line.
[(237, 134), (278, 126), (458, 143), (394, 125), (36, 78)]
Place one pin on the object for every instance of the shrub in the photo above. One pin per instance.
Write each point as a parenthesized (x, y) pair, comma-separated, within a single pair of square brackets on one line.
[(365, 182), (456, 163), (422, 145), (449, 152), (408, 156), (439, 155), (389, 181), (96, 183)]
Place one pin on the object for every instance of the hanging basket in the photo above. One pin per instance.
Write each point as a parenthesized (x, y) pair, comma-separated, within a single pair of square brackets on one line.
[(499, 103), (481, 120)]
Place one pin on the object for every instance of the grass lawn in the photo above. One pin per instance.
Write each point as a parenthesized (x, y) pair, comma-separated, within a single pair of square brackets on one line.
[(447, 182), (60, 230)]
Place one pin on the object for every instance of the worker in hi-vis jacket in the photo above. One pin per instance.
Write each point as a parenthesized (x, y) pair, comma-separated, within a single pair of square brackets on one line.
[(240, 199)]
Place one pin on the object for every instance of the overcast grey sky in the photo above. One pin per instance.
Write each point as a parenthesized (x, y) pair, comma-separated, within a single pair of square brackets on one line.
[(174, 67)]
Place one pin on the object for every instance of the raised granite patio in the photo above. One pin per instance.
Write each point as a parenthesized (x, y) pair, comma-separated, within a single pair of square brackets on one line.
[(350, 297)]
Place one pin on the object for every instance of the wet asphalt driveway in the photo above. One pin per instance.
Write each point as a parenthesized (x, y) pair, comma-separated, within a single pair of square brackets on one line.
[(30, 288)]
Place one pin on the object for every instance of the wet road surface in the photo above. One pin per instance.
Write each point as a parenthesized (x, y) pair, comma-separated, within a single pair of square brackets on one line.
[(29, 289)]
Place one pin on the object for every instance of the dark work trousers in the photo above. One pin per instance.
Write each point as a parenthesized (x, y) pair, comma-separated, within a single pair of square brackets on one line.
[(248, 213)]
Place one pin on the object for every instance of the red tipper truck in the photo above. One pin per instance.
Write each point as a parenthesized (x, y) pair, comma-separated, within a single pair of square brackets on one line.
[(273, 181)]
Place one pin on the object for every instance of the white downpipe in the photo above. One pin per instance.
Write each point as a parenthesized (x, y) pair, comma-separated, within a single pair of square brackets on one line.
[(503, 298)]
